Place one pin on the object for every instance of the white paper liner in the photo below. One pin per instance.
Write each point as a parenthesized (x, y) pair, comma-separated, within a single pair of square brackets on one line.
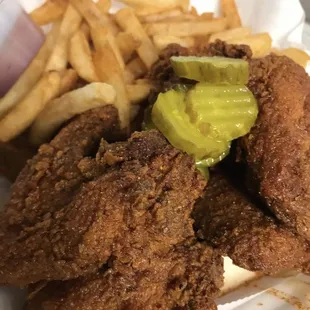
[(284, 20), (292, 293)]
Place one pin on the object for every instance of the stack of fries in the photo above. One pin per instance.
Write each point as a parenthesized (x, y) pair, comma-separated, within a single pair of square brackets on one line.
[(111, 54)]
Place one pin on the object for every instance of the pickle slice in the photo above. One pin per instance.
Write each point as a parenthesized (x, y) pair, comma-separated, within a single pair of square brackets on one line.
[(204, 171), (215, 70), (222, 111), (210, 162), (169, 116)]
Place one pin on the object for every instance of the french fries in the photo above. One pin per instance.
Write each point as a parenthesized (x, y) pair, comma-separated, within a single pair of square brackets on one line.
[(162, 41), (58, 111), (104, 5), (299, 56), (156, 18), (231, 34), (185, 29), (93, 15), (128, 77), (130, 23), (31, 75), (230, 11), (48, 13), (159, 4), (69, 79), (70, 24), (137, 68), (80, 57), (260, 44), (109, 71), (145, 11), (127, 45), (22, 116), (138, 93), (109, 56), (102, 34), (86, 30)]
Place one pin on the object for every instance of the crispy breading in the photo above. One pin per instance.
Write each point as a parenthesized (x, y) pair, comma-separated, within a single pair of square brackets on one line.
[(69, 212), (41, 232), (182, 278), (277, 150), (231, 221)]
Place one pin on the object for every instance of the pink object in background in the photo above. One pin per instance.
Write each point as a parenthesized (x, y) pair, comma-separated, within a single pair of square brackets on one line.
[(20, 40)]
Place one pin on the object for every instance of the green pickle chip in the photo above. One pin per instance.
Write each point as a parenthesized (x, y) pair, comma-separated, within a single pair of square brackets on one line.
[(215, 70), (204, 119), (222, 111), (170, 118)]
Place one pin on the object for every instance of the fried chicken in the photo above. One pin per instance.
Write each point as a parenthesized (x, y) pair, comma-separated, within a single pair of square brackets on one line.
[(78, 206), (114, 219), (306, 268), (277, 150), (43, 228), (183, 278), (232, 222)]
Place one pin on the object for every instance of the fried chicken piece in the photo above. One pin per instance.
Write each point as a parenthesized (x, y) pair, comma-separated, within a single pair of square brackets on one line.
[(69, 212), (40, 238), (306, 268), (183, 278), (231, 221), (222, 49), (277, 150)]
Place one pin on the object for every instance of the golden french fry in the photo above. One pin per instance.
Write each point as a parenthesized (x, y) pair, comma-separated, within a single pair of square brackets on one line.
[(69, 79), (47, 13), (143, 82), (137, 68), (260, 44), (94, 16), (146, 11), (31, 75), (231, 34), (104, 5), (187, 17), (162, 41), (60, 110), (63, 3), (127, 45), (22, 116), (86, 30), (230, 11), (129, 78), (186, 29), (138, 93), (299, 56), (159, 4), (130, 23), (201, 41), (155, 18), (80, 57), (70, 24), (206, 16), (102, 34), (109, 71)]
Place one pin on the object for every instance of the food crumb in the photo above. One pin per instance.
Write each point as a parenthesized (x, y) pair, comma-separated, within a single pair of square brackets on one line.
[(260, 304)]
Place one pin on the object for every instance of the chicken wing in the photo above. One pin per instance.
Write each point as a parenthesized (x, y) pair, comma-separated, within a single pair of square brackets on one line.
[(232, 222)]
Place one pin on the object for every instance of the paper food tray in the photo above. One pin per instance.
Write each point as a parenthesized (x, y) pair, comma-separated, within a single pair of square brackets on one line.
[(284, 20)]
